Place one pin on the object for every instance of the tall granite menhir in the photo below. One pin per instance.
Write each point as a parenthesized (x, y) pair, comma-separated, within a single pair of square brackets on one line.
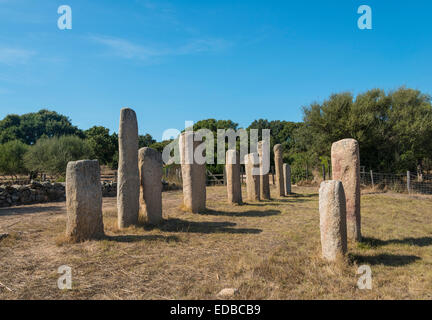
[(233, 177), (264, 162), (287, 178), (193, 174), (83, 201), (128, 182), (252, 176), (277, 149), (150, 168), (332, 220), (346, 168)]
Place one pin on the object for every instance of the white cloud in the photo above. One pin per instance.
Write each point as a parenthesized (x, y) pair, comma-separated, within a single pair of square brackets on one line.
[(13, 56), (129, 50), (126, 49)]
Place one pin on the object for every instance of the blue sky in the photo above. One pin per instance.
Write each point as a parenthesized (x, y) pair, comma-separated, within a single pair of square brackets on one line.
[(173, 61)]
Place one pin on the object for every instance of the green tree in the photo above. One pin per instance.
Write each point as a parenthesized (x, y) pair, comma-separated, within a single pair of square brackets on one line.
[(103, 145), (145, 140), (394, 130), (11, 158), (281, 132), (30, 127), (51, 155)]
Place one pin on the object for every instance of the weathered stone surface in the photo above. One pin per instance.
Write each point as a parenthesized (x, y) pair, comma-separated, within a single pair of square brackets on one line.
[(128, 175), (150, 168), (277, 149), (263, 152), (287, 178), (346, 168), (233, 177), (332, 220), (83, 201), (193, 174), (252, 176)]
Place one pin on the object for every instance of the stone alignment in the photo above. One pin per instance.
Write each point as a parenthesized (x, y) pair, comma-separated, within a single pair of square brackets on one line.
[(345, 157), (287, 178), (263, 149), (83, 201), (233, 182), (128, 184), (150, 169), (332, 220), (277, 149), (193, 174), (252, 176)]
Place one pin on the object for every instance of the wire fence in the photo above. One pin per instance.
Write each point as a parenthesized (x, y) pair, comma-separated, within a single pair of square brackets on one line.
[(406, 183)]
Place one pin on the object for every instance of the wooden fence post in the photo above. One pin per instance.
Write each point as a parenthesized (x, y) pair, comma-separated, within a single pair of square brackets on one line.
[(409, 182), (372, 180)]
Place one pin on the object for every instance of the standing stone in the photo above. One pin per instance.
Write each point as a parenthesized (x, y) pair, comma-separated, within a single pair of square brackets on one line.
[(193, 174), (332, 220), (150, 168), (252, 176), (346, 168), (128, 185), (83, 201), (233, 177), (263, 152), (287, 178), (277, 149)]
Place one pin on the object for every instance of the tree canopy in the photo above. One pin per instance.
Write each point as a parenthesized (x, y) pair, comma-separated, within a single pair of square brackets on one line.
[(51, 155), (11, 158), (394, 131), (30, 127)]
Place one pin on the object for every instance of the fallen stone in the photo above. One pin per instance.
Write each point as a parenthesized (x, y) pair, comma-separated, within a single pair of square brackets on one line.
[(227, 292)]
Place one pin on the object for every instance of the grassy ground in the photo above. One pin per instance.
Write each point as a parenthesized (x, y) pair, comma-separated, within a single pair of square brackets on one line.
[(268, 250)]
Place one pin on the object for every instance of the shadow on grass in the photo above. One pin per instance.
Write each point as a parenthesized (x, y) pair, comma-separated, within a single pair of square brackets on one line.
[(303, 195), (249, 213), (393, 260), (137, 238), (373, 242), (279, 201), (29, 209), (178, 225)]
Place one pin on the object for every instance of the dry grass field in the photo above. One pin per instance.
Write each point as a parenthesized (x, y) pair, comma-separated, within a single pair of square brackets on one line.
[(268, 250)]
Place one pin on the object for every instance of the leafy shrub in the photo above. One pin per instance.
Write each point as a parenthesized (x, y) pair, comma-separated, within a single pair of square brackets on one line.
[(11, 158), (51, 155)]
